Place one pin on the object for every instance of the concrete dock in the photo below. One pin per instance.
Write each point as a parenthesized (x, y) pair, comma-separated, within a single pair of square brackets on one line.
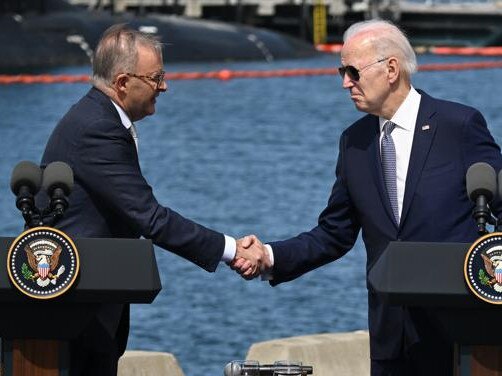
[(340, 354)]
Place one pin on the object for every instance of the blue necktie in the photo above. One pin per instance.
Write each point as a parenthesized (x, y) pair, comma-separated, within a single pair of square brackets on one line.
[(389, 167)]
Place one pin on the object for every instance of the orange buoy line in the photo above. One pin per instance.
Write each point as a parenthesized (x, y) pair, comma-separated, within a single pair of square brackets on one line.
[(41, 78), (226, 74), (438, 50), (461, 66), (331, 48), (469, 51)]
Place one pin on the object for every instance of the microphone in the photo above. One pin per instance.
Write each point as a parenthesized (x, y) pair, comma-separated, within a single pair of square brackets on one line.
[(481, 184), (238, 369), (25, 182), (58, 183)]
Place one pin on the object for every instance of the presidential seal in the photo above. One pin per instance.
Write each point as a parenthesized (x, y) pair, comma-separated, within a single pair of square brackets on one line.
[(483, 268), (43, 263)]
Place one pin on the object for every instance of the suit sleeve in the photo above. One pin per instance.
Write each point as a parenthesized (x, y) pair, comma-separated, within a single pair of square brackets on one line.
[(109, 170), (479, 146), (335, 234)]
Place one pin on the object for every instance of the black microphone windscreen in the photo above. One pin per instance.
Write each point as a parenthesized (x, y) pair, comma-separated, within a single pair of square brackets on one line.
[(26, 174), (481, 179), (58, 175)]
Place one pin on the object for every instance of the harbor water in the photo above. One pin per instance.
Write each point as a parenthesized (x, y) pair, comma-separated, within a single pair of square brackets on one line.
[(240, 156)]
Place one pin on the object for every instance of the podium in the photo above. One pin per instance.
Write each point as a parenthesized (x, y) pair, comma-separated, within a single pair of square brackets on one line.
[(35, 333), (431, 276)]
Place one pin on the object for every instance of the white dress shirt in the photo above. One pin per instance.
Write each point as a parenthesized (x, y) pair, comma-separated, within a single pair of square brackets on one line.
[(230, 243), (405, 119)]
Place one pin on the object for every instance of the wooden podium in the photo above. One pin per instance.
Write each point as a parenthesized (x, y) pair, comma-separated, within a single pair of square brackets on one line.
[(35, 333), (431, 275)]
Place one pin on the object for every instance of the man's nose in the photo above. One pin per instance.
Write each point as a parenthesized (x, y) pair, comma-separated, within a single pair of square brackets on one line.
[(347, 83), (163, 86)]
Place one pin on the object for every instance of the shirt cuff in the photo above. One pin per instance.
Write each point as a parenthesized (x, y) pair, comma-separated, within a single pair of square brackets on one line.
[(268, 275), (270, 254), (230, 249)]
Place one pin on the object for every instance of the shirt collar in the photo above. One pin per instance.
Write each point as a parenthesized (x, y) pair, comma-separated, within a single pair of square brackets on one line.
[(402, 118), (126, 122)]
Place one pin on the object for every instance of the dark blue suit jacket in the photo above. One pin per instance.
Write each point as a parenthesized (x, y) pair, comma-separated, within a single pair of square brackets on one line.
[(111, 198), (449, 137)]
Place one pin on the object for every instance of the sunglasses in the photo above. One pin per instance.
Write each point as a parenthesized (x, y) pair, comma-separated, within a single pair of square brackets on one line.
[(158, 78), (353, 72)]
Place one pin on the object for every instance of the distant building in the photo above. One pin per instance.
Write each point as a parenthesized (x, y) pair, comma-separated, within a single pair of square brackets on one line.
[(194, 8)]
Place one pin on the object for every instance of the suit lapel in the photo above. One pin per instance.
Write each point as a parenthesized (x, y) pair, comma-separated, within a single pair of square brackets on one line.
[(425, 130), (375, 160)]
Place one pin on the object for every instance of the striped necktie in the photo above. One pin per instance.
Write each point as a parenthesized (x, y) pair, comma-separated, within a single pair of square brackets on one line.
[(134, 135), (389, 167)]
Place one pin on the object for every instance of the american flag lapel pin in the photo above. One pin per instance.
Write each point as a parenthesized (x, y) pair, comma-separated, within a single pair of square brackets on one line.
[(426, 127)]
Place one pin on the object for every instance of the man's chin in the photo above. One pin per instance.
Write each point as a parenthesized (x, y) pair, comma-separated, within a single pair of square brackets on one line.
[(359, 106), (151, 111)]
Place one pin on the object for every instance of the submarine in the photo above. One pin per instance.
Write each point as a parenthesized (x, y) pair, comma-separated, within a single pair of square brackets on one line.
[(36, 35)]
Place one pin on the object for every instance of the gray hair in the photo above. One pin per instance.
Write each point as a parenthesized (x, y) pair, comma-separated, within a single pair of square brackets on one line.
[(117, 52), (388, 40)]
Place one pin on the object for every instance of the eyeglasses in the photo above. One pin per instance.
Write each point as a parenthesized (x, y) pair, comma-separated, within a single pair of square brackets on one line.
[(158, 78), (353, 72)]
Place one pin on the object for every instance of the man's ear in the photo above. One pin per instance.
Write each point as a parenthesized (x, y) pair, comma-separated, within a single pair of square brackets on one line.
[(121, 82), (393, 69)]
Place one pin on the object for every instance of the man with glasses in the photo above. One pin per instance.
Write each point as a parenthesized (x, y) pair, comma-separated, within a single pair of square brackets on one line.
[(400, 176), (111, 198)]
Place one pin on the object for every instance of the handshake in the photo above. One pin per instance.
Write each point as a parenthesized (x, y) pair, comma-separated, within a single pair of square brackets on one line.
[(252, 258)]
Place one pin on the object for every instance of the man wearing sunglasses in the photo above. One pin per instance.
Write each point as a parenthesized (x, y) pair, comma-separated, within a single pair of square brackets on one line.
[(400, 176), (111, 198)]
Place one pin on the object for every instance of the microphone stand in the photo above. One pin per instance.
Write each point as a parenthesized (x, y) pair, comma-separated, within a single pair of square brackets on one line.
[(487, 218), (47, 217)]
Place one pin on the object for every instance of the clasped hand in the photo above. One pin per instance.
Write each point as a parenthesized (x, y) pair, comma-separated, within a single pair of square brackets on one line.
[(251, 258)]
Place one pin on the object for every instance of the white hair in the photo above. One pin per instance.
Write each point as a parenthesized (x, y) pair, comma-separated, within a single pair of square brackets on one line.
[(387, 39)]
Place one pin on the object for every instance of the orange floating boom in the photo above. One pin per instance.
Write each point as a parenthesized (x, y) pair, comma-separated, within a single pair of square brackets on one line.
[(226, 74)]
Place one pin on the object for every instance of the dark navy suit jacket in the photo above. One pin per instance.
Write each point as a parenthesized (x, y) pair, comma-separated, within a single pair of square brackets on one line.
[(111, 198), (449, 137)]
